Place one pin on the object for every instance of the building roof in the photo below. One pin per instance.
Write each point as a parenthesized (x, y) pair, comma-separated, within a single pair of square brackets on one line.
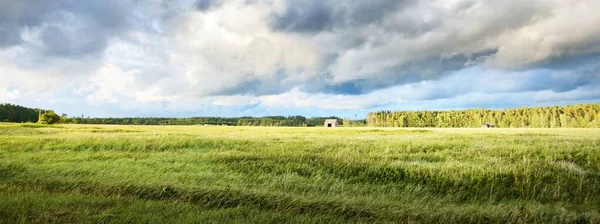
[(331, 120)]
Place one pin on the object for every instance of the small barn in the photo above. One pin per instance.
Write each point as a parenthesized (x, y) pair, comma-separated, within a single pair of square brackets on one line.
[(331, 123), (488, 125)]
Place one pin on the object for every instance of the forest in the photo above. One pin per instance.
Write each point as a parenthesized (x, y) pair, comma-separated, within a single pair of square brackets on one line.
[(289, 121), (16, 113), (570, 116)]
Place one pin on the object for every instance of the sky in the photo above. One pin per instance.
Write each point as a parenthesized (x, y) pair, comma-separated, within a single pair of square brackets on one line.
[(181, 58)]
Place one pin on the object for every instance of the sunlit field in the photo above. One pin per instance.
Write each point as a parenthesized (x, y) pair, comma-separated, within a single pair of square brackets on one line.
[(174, 174)]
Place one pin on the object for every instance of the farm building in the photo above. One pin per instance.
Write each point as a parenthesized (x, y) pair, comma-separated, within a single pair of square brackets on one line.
[(488, 125), (331, 123)]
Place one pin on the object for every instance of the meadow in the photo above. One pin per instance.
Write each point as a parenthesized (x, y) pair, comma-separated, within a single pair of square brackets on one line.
[(183, 174)]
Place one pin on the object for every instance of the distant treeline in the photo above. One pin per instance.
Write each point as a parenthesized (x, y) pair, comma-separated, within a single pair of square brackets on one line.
[(16, 113), (575, 116), (289, 121)]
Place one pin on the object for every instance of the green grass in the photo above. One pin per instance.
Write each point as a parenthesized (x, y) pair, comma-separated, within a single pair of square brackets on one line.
[(159, 174)]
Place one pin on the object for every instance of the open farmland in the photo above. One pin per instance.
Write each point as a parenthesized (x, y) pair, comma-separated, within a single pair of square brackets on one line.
[(156, 174)]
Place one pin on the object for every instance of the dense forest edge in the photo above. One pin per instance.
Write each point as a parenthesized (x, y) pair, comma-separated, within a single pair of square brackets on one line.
[(570, 116), (278, 121), (19, 114)]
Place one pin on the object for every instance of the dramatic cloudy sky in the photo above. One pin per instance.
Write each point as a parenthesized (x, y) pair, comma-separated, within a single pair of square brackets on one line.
[(288, 57)]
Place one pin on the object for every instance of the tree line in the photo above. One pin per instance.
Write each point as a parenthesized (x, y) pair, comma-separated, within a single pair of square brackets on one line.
[(20, 114), (570, 116), (16, 113), (288, 121)]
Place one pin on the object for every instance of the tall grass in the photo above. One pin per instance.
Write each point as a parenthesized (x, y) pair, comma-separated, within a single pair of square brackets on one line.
[(244, 174)]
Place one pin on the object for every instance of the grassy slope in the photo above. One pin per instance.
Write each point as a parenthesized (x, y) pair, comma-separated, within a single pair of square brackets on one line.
[(84, 173)]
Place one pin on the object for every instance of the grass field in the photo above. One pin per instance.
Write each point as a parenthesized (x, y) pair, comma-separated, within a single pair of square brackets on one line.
[(174, 174)]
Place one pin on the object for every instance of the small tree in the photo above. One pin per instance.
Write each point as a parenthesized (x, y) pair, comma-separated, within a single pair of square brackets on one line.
[(49, 117), (67, 120)]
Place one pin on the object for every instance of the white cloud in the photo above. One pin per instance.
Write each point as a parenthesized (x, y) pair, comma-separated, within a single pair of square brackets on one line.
[(8, 95), (109, 84), (344, 56), (236, 100), (571, 29), (38, 80), (227, 47)]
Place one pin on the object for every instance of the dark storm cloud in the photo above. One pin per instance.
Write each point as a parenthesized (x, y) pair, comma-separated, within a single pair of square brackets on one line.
[(431, 68), (304, 16), (347, 88), (8, 36), (67, 27), (317, 15), (60, 43), (575, 72), (571, 61), (561, 74), (483, 80), (254, 87), (258, 87), (203, 5), (558, 82), (434, 40), (15, 15), (361, 49)]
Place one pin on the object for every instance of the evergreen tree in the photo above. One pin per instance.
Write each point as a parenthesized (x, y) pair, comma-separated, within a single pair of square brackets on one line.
[(585, 115)]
